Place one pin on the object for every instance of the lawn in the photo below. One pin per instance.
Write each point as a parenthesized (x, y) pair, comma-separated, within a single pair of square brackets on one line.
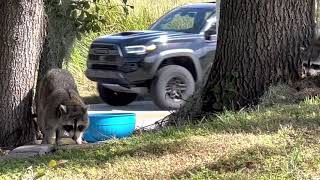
[(279, 142)]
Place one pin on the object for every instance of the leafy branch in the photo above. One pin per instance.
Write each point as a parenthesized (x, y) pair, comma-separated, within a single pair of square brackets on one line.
[(85, 15)]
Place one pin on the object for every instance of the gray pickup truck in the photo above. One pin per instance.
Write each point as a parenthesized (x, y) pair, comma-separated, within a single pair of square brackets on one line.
[(168, 61)]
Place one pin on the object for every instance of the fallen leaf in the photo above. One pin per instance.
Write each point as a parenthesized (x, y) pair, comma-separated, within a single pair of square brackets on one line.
[(52, 164)]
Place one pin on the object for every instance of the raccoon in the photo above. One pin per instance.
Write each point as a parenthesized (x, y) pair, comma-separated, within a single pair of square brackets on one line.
[(60, 108), (311, 55)]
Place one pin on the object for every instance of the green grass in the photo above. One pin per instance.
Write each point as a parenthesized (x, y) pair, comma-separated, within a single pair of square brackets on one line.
[(279, 142), (145, 12)]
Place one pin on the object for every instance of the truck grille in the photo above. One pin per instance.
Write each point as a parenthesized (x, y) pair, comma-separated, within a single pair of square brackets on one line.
[(127, 67), (104, 49), (109, 54), (104, 67), (103, 58)]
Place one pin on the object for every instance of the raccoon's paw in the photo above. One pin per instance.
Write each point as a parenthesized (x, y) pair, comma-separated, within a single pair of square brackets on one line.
[(39, 135), (59, 142), (79, 141)]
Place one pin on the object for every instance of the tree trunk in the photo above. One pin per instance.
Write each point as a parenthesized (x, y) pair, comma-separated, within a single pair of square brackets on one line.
[(61, 34), (258, 45), (21, 39), (317, 18)]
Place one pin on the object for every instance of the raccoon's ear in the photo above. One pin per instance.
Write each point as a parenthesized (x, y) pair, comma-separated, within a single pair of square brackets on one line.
[(85, 108), (62, 109)]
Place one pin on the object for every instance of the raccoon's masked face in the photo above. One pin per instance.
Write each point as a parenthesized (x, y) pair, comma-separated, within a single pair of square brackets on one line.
[(74, 121)]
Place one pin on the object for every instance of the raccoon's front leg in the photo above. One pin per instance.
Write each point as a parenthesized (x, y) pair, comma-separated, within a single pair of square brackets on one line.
[(79, 137), (47, 139), (58, 137)]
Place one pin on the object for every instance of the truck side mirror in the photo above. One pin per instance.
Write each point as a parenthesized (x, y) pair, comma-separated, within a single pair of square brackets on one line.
[(211, 31)]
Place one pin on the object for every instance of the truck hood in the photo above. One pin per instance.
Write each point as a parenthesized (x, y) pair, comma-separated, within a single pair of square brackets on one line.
[(141, 37)]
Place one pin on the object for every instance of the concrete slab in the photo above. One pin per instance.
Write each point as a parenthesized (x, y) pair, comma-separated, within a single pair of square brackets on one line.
[(34, 149), (147, 113), (28, 151), (134, 106)]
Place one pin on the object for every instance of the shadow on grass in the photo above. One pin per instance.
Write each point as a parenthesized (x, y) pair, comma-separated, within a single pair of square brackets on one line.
[(246, 161)]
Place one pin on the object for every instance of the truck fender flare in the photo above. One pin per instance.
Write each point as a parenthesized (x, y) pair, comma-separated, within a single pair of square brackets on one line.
[(157, 60)]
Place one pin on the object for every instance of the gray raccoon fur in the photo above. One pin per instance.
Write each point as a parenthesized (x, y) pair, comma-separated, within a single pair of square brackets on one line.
[(60, 107)]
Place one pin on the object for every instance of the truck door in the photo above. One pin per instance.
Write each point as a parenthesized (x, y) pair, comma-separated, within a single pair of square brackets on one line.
[(210, 37)]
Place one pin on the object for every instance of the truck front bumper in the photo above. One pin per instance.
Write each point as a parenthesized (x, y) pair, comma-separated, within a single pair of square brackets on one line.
[(108, 76)]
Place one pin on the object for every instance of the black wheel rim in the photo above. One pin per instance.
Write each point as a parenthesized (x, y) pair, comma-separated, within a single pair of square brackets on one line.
[(176, 89)]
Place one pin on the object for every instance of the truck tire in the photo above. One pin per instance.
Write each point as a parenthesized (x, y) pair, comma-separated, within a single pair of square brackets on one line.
[(172, 86), (114, 98)]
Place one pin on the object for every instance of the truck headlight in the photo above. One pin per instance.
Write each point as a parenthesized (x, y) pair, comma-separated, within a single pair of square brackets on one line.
[(140, 49)]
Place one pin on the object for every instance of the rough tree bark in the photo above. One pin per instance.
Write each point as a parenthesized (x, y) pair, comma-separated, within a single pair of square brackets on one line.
[(258, 45), (61, 34), (317, 17), (21, 39)]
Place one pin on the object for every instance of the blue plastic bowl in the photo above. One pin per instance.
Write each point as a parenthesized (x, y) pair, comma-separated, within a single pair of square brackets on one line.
[(105, 126)]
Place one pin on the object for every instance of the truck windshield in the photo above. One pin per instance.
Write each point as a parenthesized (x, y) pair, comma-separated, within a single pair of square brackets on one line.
[(187, 20)]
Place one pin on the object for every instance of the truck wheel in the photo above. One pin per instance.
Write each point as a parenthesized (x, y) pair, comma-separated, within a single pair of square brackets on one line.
[(172, 86), (114, 98)]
